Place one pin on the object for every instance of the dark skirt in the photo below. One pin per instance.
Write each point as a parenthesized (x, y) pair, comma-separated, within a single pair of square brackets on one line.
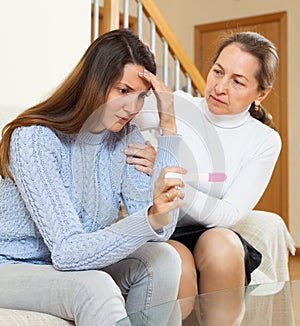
[(188, 235)]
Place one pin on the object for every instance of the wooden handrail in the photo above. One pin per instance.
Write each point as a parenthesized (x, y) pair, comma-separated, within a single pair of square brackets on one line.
[(164, 30), (111, 12)]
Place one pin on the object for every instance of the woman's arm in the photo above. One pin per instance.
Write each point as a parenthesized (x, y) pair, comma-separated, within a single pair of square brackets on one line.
[(244, 192), (35, 165), (137, 187)]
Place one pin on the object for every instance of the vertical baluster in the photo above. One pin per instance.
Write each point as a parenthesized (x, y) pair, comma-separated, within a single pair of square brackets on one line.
[(177, 73), (139, 18), (152, 35), (165, 62), (188, 84), (96, 19), (125, 13)]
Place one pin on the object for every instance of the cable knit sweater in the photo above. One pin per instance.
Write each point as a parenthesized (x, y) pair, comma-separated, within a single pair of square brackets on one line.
[(66, 194)]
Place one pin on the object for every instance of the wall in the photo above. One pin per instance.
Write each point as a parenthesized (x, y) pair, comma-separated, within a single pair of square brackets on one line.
[(186, 14), (40, 43)]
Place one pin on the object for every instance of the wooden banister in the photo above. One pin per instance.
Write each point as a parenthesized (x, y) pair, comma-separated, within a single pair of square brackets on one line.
[(164, 30), (111, 13)]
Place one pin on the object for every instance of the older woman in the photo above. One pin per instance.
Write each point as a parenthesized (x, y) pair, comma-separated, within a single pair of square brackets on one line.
[(241, 77)]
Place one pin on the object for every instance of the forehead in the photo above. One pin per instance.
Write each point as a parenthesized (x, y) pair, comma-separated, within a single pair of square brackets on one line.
[(239, 61), (131, 77)]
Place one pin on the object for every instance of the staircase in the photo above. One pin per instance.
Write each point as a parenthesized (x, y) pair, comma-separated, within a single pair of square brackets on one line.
[(175, 67)]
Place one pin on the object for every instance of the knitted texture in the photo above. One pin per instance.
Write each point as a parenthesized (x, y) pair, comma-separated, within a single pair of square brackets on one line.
[(66, 194)]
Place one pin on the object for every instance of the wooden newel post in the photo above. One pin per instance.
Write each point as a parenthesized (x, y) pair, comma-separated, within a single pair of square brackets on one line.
[(111, 14)]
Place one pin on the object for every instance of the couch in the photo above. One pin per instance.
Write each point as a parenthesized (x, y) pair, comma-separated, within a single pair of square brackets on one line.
[(266, 231)]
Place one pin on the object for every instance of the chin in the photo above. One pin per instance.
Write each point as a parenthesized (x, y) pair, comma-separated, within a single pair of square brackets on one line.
[(116, 127)]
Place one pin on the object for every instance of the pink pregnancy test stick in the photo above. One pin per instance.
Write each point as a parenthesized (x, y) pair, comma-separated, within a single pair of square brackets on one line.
[(210, 177)]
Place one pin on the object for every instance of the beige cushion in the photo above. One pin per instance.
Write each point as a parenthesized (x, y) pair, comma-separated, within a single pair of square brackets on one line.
[(267, 232), (9, 317)]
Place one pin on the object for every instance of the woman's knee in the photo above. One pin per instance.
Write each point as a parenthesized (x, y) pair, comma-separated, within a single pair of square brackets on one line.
[(187, 259), (188, 281), (165, 259), (218, 246), (96, 284)]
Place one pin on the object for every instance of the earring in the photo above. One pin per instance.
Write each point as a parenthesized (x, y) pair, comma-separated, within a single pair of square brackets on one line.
[(257, 107)]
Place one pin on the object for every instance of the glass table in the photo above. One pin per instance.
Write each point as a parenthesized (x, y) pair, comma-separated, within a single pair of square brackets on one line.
[(273, 304)]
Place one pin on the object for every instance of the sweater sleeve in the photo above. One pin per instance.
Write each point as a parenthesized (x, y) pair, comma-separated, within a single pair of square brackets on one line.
[(242, 195), (138, 187), (35, 166)]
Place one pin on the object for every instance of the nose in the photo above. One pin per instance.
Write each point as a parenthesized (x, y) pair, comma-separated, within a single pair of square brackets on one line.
[(222, 85), (133, 104)]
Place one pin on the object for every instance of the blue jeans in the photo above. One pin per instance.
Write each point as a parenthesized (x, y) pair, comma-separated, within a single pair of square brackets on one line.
[(147, 277)]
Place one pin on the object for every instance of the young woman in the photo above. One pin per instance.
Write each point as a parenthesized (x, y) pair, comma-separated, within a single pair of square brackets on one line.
[(64, 173)]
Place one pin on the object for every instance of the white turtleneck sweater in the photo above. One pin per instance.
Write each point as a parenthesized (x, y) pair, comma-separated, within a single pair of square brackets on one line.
[(237, 144)]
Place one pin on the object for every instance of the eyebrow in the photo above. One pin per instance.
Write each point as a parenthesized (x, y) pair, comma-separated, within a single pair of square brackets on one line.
[(131, 88), (126, 85), (236, 75)]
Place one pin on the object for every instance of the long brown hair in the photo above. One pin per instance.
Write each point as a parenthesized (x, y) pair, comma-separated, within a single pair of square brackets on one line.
[(84, 90), (265, 52)]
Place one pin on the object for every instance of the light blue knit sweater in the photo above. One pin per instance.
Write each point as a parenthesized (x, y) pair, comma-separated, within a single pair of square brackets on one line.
[(66, 195)]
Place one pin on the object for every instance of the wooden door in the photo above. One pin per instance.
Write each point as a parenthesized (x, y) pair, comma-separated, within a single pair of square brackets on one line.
[(273, 26)]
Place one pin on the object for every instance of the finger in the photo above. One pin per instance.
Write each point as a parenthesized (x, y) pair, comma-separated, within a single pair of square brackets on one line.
[(139, 152), (145, 169), (148, 143), (163, 184), (139, 161), (156, 83), (147, 153), (138, 145), (168, 206), (173, 194), (135, 149), (173, 181)]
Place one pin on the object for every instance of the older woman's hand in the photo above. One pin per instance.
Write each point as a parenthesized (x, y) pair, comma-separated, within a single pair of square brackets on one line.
[(142, 156)]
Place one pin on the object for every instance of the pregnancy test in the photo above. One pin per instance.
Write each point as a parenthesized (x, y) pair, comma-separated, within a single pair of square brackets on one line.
[(210, 177)]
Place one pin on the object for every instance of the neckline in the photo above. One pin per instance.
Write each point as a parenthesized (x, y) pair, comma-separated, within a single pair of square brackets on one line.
[(226, 120)]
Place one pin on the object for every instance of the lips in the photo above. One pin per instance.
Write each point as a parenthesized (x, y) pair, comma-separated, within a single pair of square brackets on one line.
[(216, 99), (123, 119)]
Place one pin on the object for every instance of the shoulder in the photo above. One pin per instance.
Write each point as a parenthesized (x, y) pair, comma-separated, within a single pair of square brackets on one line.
[(181, 95), (266, 136), (35, 136), (33, 131), (263, 130)]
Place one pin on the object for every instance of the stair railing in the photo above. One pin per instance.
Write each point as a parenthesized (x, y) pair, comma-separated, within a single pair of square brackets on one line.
[(175, 66)]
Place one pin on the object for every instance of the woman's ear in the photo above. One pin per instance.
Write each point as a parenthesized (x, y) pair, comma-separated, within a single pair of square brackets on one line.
[(263, 94)]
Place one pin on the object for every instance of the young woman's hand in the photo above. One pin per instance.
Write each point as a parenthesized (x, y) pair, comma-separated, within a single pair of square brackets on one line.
[(142, 156), (164, 97), (167, 196)]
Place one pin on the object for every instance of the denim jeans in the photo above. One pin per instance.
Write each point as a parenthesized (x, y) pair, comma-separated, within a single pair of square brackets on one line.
[(147, 277)]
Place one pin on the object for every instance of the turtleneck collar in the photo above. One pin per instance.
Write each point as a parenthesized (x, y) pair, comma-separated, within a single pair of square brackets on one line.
[(92, 138), (226, 120)]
